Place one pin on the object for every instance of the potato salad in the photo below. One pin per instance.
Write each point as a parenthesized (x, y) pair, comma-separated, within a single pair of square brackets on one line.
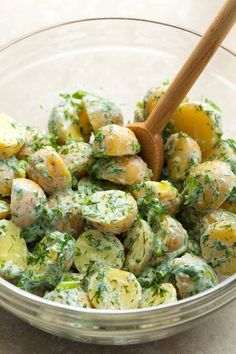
[(83, 224)]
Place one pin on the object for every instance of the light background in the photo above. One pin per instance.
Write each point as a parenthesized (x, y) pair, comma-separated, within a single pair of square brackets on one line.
[(18, 17)]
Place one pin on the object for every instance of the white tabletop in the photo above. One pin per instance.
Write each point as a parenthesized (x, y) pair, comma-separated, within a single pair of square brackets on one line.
[(215, 335)]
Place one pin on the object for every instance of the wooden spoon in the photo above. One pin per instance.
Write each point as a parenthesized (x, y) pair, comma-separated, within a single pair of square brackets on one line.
[(149, 133)]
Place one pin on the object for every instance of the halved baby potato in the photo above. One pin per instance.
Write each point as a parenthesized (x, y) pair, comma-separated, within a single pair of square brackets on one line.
[(5, 210), (27, 202), (77, 157), (218, 245), (182, 153), (164, 191), (158, 295), (100, 112), (139, 243), (200, 121), (12, 136), (115, 140), (208, 185), (126, 170), (48, 170), (64, 123), (96, 246), (114, 289), (13, 251), (110, 211), (10, 169)]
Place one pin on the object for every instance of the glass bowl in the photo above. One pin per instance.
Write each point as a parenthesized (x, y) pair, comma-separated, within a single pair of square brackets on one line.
[(120, 59)]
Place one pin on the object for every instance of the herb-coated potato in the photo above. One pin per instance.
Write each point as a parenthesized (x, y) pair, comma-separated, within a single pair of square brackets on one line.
[(225, 151), (218, 245), (48, 170), (214, 216), (139, 243), (182, 153), (114, 289), (192, 274), (69, 292), (96, 246), (115, 140), (171, 237), (51, 258), (158, 295), (27, 202), (77, 157), (64, 124), (5, 210), (200, 121), (100, 112), (164, 191), (110, 211), (126, 170), (152, 96), (12, 136), (10, 169), (208, 185), (64, 213), (35, 139), (13, 251), (88, 186)]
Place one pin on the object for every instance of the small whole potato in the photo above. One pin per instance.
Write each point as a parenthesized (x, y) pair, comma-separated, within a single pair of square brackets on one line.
[(115, 140), (182, 153), (27, 202), (48, 170), (12, 136), (208, 185)]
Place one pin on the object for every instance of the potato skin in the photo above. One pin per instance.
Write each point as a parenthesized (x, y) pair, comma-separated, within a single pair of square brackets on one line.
[(125, 170), (12, 136), (115, 140), (13, 251), (48, 170), (110, 211), (182, 153), (27, 202), (208, 185), (218, 245), (200, 121)]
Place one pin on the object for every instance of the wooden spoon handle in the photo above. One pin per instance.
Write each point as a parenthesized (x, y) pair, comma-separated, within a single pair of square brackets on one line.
[(192, 68)]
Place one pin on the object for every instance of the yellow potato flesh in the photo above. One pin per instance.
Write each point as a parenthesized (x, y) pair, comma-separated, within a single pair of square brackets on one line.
[(5, 210), (218, 247), (12, 136), (13, 248), (198, 120), (48, 170), (120, 290)]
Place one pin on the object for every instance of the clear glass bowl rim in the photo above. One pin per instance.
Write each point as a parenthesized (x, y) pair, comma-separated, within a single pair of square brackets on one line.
[(228, 284)]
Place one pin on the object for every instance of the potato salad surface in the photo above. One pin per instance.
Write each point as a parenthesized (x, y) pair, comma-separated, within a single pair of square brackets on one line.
[(83, 224)]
